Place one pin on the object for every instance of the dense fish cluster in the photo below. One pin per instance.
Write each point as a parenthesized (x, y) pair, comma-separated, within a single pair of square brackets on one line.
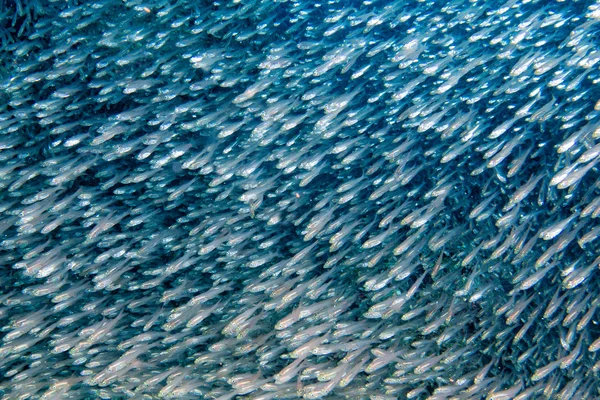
[(261, 199)]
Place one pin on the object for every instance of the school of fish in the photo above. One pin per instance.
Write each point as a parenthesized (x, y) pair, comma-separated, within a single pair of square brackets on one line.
[(271, 199)]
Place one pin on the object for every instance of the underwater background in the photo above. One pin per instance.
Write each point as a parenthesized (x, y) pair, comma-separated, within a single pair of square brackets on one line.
[(299, 199)]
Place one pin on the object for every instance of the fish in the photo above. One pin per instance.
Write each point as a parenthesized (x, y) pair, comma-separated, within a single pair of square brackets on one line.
[(264, 200)]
